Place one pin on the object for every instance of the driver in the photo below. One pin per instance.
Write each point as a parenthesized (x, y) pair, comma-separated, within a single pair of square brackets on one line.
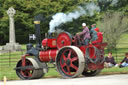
[(85, 34)]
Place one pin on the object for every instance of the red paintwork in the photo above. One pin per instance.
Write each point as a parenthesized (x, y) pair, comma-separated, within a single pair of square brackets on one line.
[(44, 42), (92, 66), (24, 60), (91, 50), (63, 39), (48, 55), (66, 68), (50, 43), (27, 72), (99, 39)]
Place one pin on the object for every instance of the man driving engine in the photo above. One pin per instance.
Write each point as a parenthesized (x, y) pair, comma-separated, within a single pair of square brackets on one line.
[(85, 34)]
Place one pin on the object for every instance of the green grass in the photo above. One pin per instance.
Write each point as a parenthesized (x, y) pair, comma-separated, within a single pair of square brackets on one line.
[(8, 72), (123, 38), (8, 63), (114, 70), (52, 73)]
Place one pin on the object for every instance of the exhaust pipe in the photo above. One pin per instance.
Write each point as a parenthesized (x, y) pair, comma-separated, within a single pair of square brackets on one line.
[(37, 33)]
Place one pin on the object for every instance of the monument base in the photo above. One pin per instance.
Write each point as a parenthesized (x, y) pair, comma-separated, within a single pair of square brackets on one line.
[(12, 47)]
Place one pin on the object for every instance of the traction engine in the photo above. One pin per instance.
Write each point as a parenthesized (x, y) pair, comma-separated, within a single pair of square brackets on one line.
[(70, 57)]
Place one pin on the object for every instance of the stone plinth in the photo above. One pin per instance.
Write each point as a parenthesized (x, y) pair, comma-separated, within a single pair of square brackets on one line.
[(12, 45)]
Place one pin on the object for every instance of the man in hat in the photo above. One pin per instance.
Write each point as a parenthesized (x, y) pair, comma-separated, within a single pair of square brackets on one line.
[(93, 33), (85, 34)]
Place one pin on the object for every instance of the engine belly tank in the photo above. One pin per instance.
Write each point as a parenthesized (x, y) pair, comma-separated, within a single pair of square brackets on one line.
[(48, 55)]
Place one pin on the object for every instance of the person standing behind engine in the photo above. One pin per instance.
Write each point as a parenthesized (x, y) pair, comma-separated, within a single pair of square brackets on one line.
[(93, 32), (99, 37), (85, 34)]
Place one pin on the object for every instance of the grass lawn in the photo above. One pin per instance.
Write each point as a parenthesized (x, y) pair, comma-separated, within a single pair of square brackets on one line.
[(114, 70), (6, 70)]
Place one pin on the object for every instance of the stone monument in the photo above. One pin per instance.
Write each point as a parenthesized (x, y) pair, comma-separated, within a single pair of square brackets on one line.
[(12, 45)]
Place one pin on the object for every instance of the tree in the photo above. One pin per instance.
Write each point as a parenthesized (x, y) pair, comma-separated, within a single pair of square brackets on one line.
[(113, 26), (26, 10), (122, 6)]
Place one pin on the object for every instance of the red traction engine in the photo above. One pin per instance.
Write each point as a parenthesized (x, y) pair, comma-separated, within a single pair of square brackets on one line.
[(71, 59)]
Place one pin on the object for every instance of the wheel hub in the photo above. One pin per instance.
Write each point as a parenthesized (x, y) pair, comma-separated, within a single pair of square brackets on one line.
[(68, 62)]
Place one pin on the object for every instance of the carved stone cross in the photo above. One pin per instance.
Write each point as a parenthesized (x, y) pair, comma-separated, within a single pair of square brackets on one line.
[(12, 45), (11, 12)]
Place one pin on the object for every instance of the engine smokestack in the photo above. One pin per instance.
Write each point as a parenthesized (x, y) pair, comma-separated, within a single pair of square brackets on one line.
[(37, 32)]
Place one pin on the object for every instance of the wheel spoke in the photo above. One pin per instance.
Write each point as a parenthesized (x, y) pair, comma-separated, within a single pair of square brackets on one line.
[(74, 58), (64, 57), (23, 73), (29, 74), (69, 54), (73, 66), (63, 65), (68, 69), (26, 73)]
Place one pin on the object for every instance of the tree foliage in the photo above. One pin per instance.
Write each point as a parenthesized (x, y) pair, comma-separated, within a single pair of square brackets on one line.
[(113, 26), (26, 10)]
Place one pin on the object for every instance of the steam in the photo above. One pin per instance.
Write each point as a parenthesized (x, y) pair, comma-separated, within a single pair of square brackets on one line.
[(60, 18), (89, 9), (114, 2)]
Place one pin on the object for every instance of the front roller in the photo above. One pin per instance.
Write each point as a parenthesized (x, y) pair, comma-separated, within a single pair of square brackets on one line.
[(70, 61), (31, 70)]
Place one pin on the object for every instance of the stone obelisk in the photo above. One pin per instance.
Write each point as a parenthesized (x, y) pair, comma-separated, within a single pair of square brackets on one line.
[(12, 45), (11, 12)]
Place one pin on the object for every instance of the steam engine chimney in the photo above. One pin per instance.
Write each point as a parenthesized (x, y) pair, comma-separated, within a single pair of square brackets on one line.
[(37, 32)]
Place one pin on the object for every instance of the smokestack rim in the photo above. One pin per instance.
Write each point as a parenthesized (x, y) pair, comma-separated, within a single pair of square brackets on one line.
[(36, 22)]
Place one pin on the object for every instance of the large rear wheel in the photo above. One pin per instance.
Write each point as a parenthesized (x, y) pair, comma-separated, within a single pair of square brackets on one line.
[(29, 71), (70, 61)]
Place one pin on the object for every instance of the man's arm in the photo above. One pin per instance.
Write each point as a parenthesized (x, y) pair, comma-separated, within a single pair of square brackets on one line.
[(84, 31)]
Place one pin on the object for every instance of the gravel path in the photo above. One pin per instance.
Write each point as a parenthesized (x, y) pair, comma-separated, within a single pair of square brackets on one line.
[(121, 79)]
